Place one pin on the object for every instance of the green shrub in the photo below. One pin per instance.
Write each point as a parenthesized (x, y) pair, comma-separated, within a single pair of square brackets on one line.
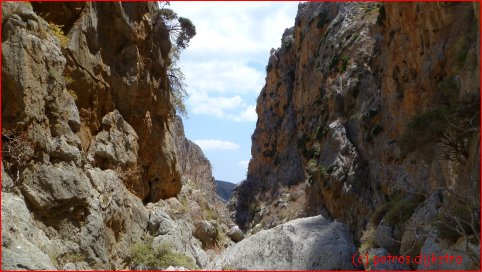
[(312, 166), (424, 129), (449, 91), (322, 19), (378, 214), (324, 170), (400, 211), (320, 133), (145, 255), (316, 150), (334, 62), (457, 216), (344, 63)]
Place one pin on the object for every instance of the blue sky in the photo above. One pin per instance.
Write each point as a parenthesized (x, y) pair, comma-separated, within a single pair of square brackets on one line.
[(225, 71)]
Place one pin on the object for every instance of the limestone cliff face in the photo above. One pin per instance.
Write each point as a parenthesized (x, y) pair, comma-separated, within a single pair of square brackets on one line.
[(92, 154), (366, 107), (115, 58)]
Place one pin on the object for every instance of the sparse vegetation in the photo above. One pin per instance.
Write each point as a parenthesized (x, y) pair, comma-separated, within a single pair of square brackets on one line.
[(177, 86), (401, 210), (73, 94), (17, 151), (181, 31), (344, 63), (335, 62), (147, 256), (449, 125), (458, 218), (367, 239), (396, 212), (59, 33), (321, 132), (312, 166), (68, 80)]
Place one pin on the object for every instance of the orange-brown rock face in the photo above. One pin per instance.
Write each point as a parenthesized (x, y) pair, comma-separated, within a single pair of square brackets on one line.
[(366, 104)]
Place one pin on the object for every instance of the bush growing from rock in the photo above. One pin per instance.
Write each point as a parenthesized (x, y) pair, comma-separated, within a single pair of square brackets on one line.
[(146, 256)]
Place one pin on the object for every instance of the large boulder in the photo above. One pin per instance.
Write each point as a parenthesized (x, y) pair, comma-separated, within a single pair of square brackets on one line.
[(206, 232), (236, 234), (312, 243)]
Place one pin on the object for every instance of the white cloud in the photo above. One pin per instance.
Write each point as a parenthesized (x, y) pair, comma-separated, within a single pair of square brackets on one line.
[(223, 77), (202, 103), (249, 114), (229, 108), (216, 145), (243, 164), (225, 62)]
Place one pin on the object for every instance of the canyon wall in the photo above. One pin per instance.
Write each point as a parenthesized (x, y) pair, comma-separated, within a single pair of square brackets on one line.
[(94, 157), (370, 115)]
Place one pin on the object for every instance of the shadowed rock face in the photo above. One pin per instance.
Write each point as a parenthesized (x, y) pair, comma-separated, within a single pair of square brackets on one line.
[(225, 189), (313, 243), (354, 113)]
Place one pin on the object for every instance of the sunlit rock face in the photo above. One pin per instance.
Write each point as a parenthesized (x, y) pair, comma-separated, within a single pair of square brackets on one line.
[(368, 108), (94, 153)]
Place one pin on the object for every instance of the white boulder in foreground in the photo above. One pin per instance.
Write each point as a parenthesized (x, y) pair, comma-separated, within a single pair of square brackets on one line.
[(312, 243)]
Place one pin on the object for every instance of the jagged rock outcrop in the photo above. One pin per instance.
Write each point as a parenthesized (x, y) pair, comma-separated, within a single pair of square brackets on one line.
[(92, 155), (313, 243), (370, 111)]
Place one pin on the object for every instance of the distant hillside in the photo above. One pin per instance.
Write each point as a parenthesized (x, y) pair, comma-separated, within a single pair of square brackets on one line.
[(225, 189)]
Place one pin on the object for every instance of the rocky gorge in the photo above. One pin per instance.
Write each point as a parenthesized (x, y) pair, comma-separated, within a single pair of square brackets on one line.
[(367, 142)]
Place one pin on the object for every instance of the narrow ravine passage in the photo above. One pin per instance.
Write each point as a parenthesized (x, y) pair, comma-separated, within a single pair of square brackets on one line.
[(353, 144)]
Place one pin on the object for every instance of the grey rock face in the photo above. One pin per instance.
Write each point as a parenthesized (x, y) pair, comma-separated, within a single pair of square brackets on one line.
[(466, 255), (419, 226), (302, 244), (182, 240), (25, 246), (7, 182), (116, 145), (384, 237), (60, 186), (100, 122), (160, 222)]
